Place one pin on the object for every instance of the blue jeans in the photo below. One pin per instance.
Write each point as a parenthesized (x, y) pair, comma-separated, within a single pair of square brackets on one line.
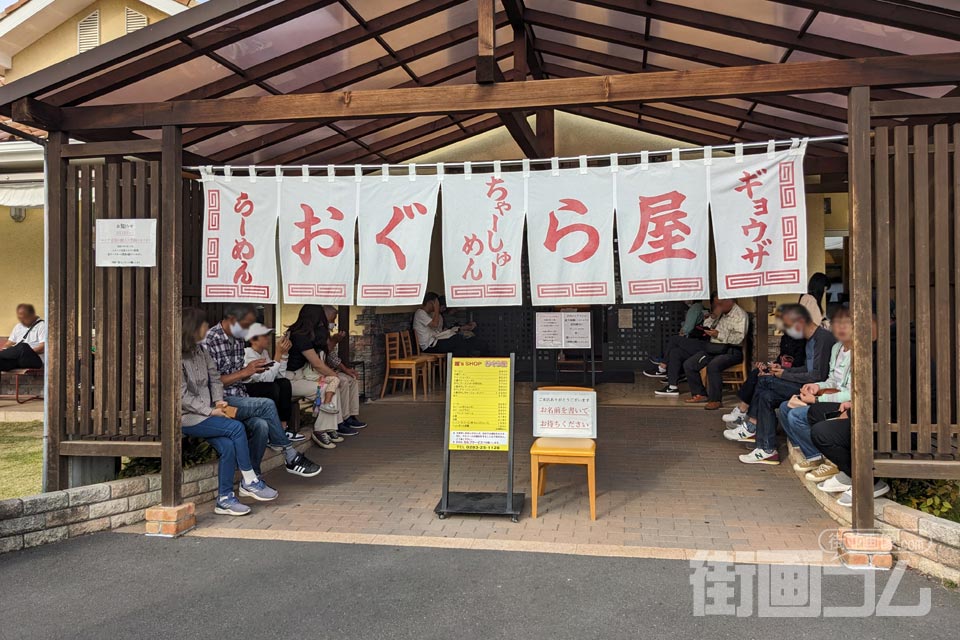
[(229, 438), (770, 392), (795, 425), (260, 417)]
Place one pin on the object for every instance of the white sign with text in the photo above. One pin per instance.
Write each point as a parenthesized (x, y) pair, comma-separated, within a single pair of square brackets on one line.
[(130, 242), (564, 414)]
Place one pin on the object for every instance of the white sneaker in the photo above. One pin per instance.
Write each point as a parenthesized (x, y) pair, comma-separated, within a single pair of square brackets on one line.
[(759, 456), (329, 407), (740, 434), (833, 485), (880, 488), (734, 415)]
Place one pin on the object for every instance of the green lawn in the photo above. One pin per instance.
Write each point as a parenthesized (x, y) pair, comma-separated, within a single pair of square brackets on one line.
[(21, 458)]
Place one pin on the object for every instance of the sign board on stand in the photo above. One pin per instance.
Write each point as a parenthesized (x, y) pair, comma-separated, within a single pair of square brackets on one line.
[(565, 413), (126, 242), (479, 417)]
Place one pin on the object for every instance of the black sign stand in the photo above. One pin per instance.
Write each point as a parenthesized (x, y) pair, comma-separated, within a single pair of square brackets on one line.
[(479, 502)]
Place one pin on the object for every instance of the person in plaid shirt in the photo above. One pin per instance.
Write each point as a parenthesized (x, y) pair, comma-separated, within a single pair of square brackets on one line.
[(224, 343)]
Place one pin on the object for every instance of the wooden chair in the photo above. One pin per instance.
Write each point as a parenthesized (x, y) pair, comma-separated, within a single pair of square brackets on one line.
[(547, 451), (437, 361), (425, 371), (400, 369), (734, 375)]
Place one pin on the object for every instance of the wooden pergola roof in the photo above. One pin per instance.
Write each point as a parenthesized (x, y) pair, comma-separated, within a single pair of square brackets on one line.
[(239, 53)]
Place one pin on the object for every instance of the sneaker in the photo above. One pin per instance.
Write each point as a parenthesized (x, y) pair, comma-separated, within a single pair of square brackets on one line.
[(295, 437), (303, 466), (258, 491), (322, 439), (740, 433), (734, 415), (826, 470), (668, 390), (335, 437), (329, 407), (229, 506), (880, 488), (759, 456), (655, 373), (355, 422), (833, 485), (808, 464), (344, 429)]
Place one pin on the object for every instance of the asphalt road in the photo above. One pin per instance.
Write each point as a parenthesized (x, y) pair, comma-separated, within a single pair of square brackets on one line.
[(127, 586)]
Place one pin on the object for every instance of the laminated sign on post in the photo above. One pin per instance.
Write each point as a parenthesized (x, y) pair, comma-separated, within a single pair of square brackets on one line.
[(563, 330), (126, 243), (479, 418)]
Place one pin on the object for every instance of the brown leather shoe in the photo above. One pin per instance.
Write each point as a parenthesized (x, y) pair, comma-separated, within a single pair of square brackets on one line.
[(696, 400), (712, 406)]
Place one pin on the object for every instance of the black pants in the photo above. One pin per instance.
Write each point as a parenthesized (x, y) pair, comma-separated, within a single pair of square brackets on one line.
[(459, 346), (279, 391), (832, 439), (680, 349), (19, 356), (716, 365), (747, 388)]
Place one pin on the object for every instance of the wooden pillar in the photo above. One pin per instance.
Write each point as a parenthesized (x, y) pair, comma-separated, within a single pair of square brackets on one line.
[(545, 131), (486, 42), (170, 264), (858, 126), (343, 324), (761, 318), (520, 66), (56, 345)]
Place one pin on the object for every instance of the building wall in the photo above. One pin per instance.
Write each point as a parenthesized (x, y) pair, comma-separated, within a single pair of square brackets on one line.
[(21, 266), (61, 43)]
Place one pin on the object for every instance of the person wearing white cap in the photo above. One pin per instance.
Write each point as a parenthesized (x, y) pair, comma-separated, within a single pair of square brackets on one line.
[(271, 382)]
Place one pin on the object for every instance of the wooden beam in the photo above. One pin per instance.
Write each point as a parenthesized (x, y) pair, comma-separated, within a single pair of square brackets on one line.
[(438, 142), (546, 121), (915, 107), (139, 147), (931, 20), (111, 448), (486, 42), (925, 70), (861, 213), (525, 58), (171, 289), (520, 130), (907, 468), (36, 114)]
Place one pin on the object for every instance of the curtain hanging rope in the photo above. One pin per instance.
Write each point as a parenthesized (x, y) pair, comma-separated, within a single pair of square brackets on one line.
[(547, 161)]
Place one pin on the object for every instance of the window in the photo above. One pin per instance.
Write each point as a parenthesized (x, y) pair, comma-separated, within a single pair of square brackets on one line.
[(135, 20), (88, 32)]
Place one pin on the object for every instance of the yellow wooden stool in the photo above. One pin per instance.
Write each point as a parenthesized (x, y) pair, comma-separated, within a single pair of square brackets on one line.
[(547, 451)]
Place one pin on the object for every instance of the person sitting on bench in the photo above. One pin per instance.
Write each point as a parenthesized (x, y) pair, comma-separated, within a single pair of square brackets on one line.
[(24, 348)]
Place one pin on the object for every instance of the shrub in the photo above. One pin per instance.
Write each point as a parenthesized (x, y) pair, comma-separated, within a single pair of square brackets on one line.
[(195, 451), (936, 497)]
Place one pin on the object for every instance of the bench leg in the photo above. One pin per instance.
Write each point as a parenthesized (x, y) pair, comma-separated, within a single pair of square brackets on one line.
[(592, 486), (534, 485)]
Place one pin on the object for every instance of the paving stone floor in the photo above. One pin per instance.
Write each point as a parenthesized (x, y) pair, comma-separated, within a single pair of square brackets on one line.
[(666, 478)]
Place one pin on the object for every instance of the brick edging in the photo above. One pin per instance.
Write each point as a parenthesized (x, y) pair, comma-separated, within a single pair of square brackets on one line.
[(55, 516), (925, 542)]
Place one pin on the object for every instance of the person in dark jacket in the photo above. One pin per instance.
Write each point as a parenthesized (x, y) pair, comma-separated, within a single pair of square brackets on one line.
[(779, 384)]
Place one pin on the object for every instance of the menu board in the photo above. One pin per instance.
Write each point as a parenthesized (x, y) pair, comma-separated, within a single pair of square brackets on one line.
[(564, 414), (480, 404), (563, 330)]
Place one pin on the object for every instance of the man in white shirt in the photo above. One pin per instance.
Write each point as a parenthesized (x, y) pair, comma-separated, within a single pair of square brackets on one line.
[(428, 327), (24, 348)]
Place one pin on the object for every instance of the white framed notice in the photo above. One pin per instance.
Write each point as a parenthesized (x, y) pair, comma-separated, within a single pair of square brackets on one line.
[(130, 242), (563, 330), (564, 414)]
